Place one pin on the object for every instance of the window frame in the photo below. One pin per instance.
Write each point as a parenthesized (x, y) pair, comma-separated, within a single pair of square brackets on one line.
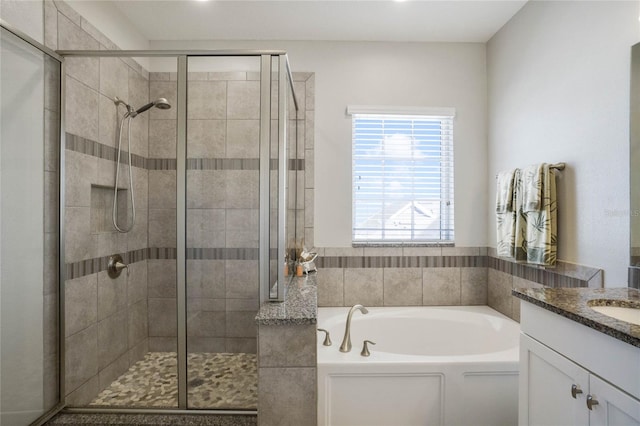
[(447, 222)]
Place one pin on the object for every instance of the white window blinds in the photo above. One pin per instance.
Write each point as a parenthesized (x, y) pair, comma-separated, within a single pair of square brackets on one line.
[(402, 176)]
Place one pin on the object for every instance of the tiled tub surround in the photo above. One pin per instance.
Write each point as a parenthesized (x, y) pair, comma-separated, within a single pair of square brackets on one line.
[(414, 276), (287, 356), (573, 303)]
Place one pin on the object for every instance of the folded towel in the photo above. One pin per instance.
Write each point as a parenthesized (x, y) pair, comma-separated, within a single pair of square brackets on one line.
[(532, 187), (542, 225), (504, 191), (506, 212)]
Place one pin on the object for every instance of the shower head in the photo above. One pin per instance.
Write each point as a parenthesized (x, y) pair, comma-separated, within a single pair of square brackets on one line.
[(160, 103)]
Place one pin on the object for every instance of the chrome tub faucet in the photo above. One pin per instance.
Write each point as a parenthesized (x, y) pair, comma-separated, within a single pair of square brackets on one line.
[(346, 341)]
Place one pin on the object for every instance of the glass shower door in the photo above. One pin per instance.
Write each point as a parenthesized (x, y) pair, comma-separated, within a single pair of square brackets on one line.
[(29, 145), (222, 282)]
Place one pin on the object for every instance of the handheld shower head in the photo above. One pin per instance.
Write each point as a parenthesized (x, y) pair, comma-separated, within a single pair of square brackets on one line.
[(160, 103)]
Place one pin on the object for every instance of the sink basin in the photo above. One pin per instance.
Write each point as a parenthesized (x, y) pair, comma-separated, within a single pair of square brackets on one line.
[(629, 314)]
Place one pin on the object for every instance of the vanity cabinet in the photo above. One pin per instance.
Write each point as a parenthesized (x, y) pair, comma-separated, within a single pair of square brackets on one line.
[(573, 375)]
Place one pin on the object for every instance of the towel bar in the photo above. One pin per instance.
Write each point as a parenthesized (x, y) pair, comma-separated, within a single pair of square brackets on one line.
[(557, 166)]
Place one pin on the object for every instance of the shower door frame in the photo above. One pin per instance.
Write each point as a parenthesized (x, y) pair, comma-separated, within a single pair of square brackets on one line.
[(182, 57)]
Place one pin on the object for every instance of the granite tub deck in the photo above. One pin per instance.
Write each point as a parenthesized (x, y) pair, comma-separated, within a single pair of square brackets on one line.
[(573, 303), (300, 306)]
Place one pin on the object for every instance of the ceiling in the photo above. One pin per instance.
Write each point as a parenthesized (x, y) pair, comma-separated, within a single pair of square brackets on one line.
[(409, 21)]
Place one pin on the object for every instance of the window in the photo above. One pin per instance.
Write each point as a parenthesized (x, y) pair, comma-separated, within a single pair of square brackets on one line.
[(402, 175)]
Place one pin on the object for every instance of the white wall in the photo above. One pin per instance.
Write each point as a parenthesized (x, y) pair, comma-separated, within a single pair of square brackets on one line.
[(396, 74), (559, 91)]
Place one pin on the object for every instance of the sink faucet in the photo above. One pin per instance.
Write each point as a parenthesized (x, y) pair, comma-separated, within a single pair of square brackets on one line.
[(346, 342)]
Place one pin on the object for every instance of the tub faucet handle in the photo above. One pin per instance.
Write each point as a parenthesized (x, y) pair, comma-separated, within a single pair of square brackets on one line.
[(327, 339), (365, 347)]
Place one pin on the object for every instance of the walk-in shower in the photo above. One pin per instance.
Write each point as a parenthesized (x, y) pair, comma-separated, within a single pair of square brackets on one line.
[(129, 114), (212, 157)]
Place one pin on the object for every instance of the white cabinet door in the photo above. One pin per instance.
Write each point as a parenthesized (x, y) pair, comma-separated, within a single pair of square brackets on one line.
[(614, 407), (546, 381)]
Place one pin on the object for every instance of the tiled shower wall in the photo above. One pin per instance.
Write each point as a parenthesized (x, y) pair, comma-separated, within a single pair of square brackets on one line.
[(222, 208), (106, 319), (429, 276)]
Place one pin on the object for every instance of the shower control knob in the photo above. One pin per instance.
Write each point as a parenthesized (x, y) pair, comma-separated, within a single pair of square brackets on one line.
[(115, 266)]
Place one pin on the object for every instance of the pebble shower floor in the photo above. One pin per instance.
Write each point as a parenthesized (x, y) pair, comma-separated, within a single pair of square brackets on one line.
[(216, 381)]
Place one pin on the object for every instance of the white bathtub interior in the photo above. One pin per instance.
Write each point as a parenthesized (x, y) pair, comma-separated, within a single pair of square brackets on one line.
[(430, 366)]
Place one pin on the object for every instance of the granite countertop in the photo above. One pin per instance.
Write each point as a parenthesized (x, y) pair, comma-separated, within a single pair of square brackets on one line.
[(300, 304), (573, 303)]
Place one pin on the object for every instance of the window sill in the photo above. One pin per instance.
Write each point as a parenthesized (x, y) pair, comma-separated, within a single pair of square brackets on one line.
[(401, 244)]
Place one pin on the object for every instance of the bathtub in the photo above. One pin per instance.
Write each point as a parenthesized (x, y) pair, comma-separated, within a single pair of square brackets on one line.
[(454, 365)]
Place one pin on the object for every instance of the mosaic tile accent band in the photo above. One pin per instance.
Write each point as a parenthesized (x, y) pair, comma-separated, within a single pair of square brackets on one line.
[(96, 149), (547, 277), (99, 264), (402, 261), (565, 275)]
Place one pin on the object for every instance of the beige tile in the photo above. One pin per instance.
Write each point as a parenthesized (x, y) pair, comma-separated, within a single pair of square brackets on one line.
[(137, 238), (243, 139), (241, 189), (109, 121), (308, 208), (291, 391), (162, 189), (72, 37), (473, 286), (206, 189), (140, 135), (162, 138), (402, 286), (241, 345), (51, 138), (363, 286), (309, 129), (205, 344), (83, 395), (163, 344), (138, 352), (109, 243), (112, 371), (330, 287), (81, 360), (205, 278), (79, 243), (114, 79), (205, 228), (137, 282), (241, 324), (112, 338), (344, 251), (310, 89), (241, 279), (81, 171), (422, 251), (243, 100), (206, 138), (441, 286), (162, 318), (206, 100), (138, 88), (460, 251), (50, 25), (230, 75), (112, 294), (162, 227), (287, 346), (162, 278), (82, 110), (499, 292), (206, 324), (81, 303), (138, 323)]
